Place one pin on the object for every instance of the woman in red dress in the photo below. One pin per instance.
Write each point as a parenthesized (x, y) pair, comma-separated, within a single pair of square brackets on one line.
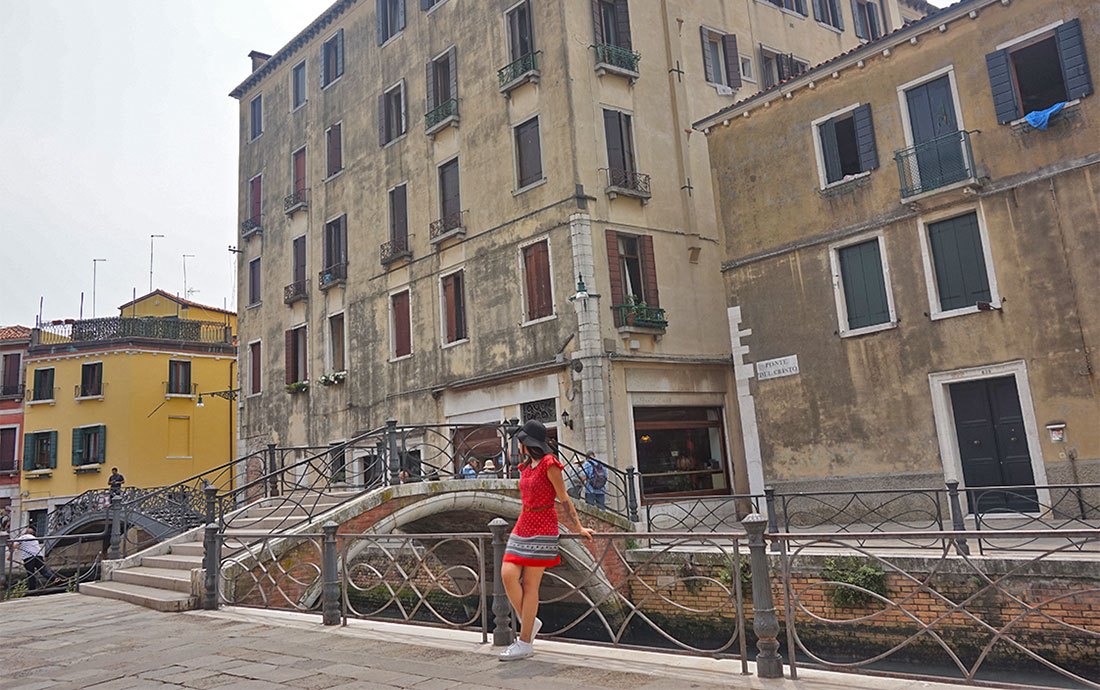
[(533, 544)]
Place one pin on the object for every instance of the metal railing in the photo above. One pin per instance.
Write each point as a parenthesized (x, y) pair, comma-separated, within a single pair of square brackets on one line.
[(616, 56), (250, 226), (448, 224), (298, 290), (935, 163), (619, 493), (396, 248), (12, 390), (446, 109), (336, 274), (639, 315), (115, 327), (297, 199), (516, 69), (628, 182), (702, 513), (66, 562), (1054, 509)]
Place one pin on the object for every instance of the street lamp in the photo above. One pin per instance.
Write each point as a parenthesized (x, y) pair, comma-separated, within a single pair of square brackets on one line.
[(230, 395)]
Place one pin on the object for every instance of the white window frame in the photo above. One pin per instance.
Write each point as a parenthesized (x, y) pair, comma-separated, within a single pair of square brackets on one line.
[(389, 210), (260, 177), (323, 44), (329, 355), (750, 73), (439, 184), (90, 464), (258, 97), (907, 127), (1030, 38), (400, 31), (633, 134), (398, 85), (190, 375), (249, 381), (79, 397), (17, 459), (53, 393), (431, 9), (523, 283), (343, 166), (248, 283), (443, 308), (822, 177), (305, 94), (720, 68), (934, 310), (516, 189), (944, 416), (507, 27), (393, 324), (838, 285), (303, 148), (305, 360)]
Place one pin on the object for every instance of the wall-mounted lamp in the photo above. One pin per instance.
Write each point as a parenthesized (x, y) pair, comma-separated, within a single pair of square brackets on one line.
[(228, 395), (582, 292), (566, 419)]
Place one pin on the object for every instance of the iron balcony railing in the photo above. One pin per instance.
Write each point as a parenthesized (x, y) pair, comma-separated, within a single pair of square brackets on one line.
[(336, 274), (11, 390), (397, 248), (250, 226), (517, 69), (617, 56), (450, 224), (628, 183), (298, 199), (935, 163), (445, 110), (639, 315), (115, 327), (295, 291)]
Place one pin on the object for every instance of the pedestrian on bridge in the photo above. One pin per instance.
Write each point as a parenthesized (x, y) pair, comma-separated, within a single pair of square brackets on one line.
[(533, 545), (115, 481), (469, 470)]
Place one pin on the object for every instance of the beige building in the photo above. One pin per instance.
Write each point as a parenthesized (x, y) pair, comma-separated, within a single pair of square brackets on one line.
[(463, 212), (912, 285)]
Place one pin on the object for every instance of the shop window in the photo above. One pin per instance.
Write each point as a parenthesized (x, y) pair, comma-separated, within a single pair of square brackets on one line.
[(681, 451)]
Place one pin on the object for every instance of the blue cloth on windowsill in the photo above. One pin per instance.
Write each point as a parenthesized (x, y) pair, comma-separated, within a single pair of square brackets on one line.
[(1040, 118)]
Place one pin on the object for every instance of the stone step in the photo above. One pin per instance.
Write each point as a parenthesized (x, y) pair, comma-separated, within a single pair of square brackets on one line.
[(149, 597), (156, 578), (191, 548), (173, 562), (265, 524)]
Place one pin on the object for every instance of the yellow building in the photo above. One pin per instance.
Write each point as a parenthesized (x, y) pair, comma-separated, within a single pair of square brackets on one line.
[(123, 392)]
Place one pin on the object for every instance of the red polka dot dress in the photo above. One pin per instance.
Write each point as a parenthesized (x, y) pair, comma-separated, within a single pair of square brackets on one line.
[(534, 539)]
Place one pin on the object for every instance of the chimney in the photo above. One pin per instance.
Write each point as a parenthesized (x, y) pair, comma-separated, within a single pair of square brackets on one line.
[(258, 59)]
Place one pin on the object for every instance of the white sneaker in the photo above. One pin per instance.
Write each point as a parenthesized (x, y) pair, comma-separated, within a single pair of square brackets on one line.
[(517, 650), (535, 631)]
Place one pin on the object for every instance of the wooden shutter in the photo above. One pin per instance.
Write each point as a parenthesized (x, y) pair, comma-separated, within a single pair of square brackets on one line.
[(858, 21), (380, 6), (829, 152), (78, 447), (613, 132), (426, 5), (429, 79), (254, 281), (597, 22), (1071, 55), (820, 12), (536, 260), (402, 340), (835, 4), (399, 214), (874, 26), (733, 61), (53, 449), (338, 68), (7, 450), (1005, 104), (622, 23), (28, 452), (959, 262), (400, 15), (101, 449), (324, 65), (452, 68), (708, 64), (383, 132), (649, 272), (784, 64), (290, 362), (864, 286), (257, 196), (449, 188), (530, 154), (865, 137), (529, 26), (342, 239), (335, 150), (254, 351), (451, 308), (299, 259), (299, 171), (614, 269), (11, 370)]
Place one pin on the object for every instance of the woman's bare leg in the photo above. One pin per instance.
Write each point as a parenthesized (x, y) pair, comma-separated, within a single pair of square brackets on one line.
[(532, 576), (509, 573)]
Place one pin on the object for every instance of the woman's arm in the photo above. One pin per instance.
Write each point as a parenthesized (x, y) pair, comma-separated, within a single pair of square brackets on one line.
[(553, 473)]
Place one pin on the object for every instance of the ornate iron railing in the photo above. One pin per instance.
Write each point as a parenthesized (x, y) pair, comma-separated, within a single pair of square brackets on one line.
[(518, 69), (935, 163), (67, 561), (620, 492), (12, 390), (336, 274), (446, 226), (701, 514), (250, 226), (1000, 511), (639, 315), (396, 248), (914, 512), (628, 183), (92, 501), (298, 199), (616, 56), (114, 327), (298, 290), (446, 109)]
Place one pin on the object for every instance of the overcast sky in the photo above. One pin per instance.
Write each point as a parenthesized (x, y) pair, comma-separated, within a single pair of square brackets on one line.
[(115, 125)]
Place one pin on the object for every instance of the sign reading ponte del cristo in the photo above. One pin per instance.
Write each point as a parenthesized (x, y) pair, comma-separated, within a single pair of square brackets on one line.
[(776, 368)]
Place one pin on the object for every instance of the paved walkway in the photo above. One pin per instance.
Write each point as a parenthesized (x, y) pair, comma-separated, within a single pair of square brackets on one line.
[(77, 641)]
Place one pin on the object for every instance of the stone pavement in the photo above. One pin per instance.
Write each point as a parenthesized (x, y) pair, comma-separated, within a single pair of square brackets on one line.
[(75, 641)]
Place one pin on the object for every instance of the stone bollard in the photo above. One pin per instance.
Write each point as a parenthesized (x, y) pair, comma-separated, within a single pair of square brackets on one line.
[(330, 577), (769, 664), (114, 553), (502, 631), (957, 522), (211, 563), (211, 495)]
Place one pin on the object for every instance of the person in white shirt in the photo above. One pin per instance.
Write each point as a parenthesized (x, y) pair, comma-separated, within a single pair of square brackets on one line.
[(29, 551)]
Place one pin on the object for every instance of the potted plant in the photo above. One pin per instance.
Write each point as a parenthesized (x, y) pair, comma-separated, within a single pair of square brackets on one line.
[(333, 378), (297, 387)]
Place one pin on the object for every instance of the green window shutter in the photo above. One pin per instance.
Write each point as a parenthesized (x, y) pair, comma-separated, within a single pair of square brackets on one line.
[(959, 262), (829, 151), (78, 447), (102, 431), (865, 137), (1071, 54), (864, 286), (53, 450), (1005, 104), (28, 452)]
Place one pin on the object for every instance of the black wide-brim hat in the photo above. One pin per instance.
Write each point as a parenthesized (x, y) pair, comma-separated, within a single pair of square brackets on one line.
[(533, 435)]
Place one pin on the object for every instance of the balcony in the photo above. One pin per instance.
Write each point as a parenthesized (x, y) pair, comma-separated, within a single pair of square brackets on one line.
[(394, 250), (638, 318), (71, 333), (519, 72), (941, 162), (627, 183), (612, 59), (250, 227), (297, 200), (442, 116), (448, 226), (11, 390), (296, 291), (336, 274)]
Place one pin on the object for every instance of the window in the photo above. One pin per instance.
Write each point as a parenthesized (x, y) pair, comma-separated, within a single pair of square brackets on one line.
[(8, 439), (256, 110), (296, 362), (620, 141), (89, 445), (845, 144), (391, 19), (401, 326), (681, 450), (861, 286), (179, 377), (399, 216), (91, 380), (1039, 70), (334, 148), (255, 362), (298, 256), (298, 173), (798, 6), (634, 270), (776, 67), (528, 153), (429, 4), (338, 464), (450, 203), (721, 64), (336, 342), (828, 12), (11, 383), (391, 113), (40, 451), (43, 384), (298, 85), (866, 19), (454, 307), (612, 21), (959, 265), (332, 59), (255, 199), (442, 83), (521, 40), (254, 282), (336, 242), (747, 71), (536, 273)]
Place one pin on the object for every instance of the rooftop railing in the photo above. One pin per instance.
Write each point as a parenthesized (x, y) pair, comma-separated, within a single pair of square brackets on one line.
[(115, 327)]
